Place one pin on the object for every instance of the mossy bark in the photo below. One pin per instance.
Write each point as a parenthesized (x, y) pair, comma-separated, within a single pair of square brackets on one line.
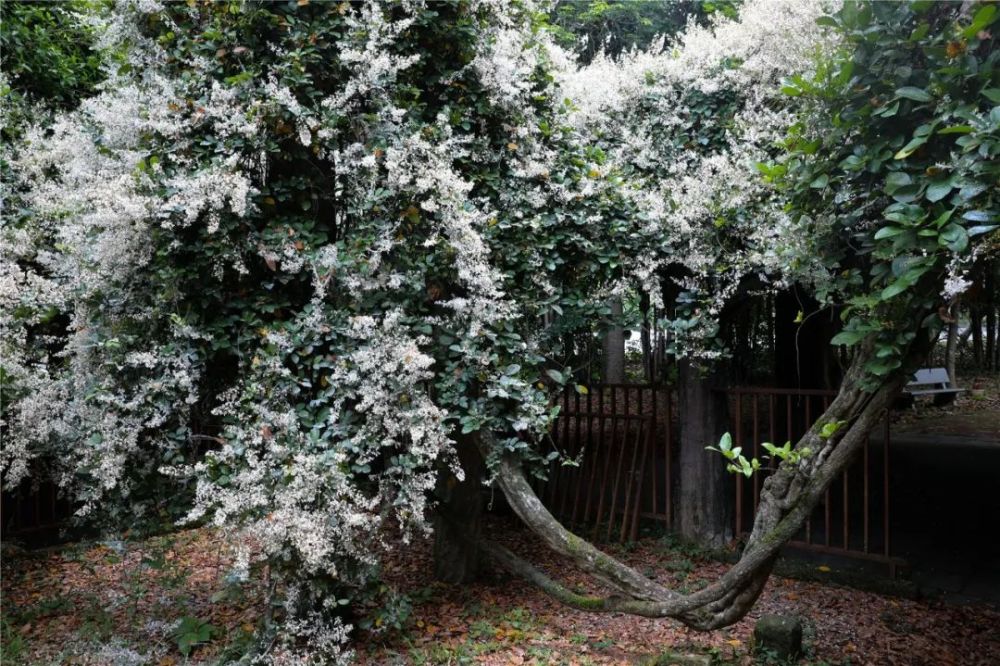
[(787, 498)]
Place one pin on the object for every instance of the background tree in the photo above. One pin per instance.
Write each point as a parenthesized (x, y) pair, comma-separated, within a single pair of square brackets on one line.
[(613, 27), (45, 51), (314, 258)]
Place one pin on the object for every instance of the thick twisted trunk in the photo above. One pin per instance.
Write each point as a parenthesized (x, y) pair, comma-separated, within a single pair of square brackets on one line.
[(458, 523), (787, 499)]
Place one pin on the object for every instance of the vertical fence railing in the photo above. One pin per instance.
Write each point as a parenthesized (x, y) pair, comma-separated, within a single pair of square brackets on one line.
[(615, 462), (31, 509), (853, 518), (617, 446)]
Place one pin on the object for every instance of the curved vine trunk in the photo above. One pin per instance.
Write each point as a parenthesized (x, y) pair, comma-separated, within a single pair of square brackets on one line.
[(787, 498)]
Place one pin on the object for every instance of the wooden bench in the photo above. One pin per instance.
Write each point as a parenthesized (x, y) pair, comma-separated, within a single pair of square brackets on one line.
[(935, 382)]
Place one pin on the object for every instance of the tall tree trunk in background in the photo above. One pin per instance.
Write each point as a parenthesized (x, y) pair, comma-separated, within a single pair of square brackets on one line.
[(996, 356), (614, 346), (646, 338), (991, 338), (989, 286), (952, 344), (702, 508), (458, 522), (976, 331)]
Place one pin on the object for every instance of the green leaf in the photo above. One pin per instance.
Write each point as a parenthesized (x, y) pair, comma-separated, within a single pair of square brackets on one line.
[(881, 368), (909, 148), (852, 163), (847, 338), (829, 429), (940, 220), (982, 229), (985, 16), (894, 289), (939, 190), (820, 182), (556, 376), (916, 94), (896, 180), (978, 216), (920, 32), (992, 94), (971, 190), (726, 442), (904, 213), (889, 110), (955, 237), (907, 194), (955, 129), (888, 232)]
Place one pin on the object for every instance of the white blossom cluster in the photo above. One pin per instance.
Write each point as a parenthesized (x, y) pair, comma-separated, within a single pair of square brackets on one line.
[(312, 473), (698, 197), (338, 418)]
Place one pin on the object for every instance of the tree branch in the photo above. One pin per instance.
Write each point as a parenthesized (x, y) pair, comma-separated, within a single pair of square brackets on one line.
[(787, 499)]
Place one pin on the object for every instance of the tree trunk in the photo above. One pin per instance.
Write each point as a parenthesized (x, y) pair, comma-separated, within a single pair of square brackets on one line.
[(952, 344), (458, 521), (646, 338), (976, 330), (787, 498), (991, 317), (991, 338), (703, 501), (614, 346)]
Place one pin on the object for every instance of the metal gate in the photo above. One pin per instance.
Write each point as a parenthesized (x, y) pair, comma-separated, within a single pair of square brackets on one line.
[(853, 518), (618, 455), (615, 463)]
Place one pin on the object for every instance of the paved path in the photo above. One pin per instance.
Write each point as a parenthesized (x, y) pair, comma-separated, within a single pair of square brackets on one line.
[(946, 503)]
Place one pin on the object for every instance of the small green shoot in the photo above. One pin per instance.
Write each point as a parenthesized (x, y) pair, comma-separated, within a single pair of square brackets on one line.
[(739, 464)]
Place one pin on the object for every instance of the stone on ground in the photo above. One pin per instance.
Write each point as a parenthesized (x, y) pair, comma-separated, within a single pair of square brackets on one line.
[(780, 635)]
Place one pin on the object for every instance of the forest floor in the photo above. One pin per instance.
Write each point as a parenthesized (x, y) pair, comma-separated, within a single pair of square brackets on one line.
[(95, 604), (165, 602)]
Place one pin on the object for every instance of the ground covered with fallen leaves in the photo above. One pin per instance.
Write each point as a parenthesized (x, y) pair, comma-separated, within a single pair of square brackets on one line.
[(505, 621), (166, 602), (163, 601)]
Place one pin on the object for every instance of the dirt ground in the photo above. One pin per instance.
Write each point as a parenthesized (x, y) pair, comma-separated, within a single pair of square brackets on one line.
[(505, 621), (89, 605), (123, 604)]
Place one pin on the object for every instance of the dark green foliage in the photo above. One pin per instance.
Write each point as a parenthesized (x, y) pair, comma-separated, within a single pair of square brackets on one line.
[(902, 149), (614, 26), (46, 53)]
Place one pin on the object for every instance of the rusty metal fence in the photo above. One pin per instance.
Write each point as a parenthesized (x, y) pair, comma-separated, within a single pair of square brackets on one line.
[(853, 518), (617, 465), (32, 510), (618, 459)]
